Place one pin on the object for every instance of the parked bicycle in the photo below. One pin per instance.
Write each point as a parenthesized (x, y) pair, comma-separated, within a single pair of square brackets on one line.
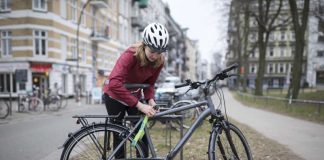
[(93, 140), (30, 102), (53, 102)]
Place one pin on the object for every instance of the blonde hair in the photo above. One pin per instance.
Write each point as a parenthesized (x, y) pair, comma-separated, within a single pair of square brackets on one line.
[(140, 56)]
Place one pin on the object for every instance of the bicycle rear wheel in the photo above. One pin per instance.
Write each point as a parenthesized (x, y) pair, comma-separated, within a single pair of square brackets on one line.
[(228, 145), (35, 105), (4, 109), (88, 143), (54, 103)]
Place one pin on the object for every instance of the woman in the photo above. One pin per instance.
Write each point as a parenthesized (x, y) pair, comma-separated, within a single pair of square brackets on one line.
[(141, 63)]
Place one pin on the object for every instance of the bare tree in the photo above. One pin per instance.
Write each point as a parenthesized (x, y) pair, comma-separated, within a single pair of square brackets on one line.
[(265, 20), (300, 25), (240, 36)]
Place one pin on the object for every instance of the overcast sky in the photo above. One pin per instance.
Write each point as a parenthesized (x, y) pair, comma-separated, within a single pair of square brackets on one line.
[(206, 20)]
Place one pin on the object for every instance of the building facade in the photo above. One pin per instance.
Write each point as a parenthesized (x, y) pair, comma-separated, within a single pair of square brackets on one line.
[(42, 43), (280, 48), (39, 39)]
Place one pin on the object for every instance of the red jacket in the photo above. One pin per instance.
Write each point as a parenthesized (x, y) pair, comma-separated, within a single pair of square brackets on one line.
[(128, 70)]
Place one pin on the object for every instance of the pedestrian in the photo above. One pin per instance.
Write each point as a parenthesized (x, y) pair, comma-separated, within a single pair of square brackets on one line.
[(140, 63)]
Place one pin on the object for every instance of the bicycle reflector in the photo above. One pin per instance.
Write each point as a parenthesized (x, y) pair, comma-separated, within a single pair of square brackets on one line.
[(140, 132)]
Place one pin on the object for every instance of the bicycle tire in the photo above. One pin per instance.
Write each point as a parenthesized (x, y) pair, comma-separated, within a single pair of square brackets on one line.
[(64, 102), (35, 105), (54, 103), (82, 143), (220, 148), (4, 110)]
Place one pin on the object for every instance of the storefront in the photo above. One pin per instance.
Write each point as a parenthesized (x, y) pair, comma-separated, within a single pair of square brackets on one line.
[(40, 76)]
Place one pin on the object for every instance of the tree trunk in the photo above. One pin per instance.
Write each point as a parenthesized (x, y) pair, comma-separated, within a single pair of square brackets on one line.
[(300, 30), (245, 64), (261, 67)]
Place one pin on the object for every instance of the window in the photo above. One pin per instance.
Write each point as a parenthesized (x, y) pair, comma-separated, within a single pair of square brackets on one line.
[(271, 37), (253, 68), (252, 54), (83, 48), (63, 8), (283, 35), (282, 52), (83, 17), (6, 43), (40, 43), (6, 79), (5, 5), (281, 68), (63, 47), (74, 49), (74, 10), (292, 36), (320, 53), (40, 5), (270, 68), (271, 53)]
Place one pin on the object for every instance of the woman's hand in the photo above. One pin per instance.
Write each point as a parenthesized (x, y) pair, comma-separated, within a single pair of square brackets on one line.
[(151, 102), (146, 109)]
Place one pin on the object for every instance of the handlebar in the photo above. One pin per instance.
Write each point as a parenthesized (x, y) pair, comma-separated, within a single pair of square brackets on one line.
[(220, 76), (233, 66)]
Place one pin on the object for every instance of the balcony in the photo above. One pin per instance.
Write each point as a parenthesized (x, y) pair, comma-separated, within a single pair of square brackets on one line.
[(136, 22), (99, 36), (99, 3)]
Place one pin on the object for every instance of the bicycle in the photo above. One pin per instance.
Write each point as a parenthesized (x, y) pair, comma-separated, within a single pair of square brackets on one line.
[(30, 102), (51, 101), (4, 109), (226, 141)]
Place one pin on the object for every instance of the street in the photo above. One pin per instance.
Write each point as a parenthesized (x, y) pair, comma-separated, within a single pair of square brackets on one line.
[(37, 137)]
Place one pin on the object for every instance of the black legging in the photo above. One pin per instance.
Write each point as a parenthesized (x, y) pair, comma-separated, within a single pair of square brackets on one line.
[(114, 108)]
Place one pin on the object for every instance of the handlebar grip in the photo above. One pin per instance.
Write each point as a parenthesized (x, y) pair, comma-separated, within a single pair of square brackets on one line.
[(235, 65), (181, 85)]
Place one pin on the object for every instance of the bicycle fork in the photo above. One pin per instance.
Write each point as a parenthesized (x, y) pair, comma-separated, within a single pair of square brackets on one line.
[(220, 127)]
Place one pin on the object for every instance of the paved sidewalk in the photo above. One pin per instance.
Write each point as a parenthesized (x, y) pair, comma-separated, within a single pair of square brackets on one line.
[(304, 138), (22, 116)]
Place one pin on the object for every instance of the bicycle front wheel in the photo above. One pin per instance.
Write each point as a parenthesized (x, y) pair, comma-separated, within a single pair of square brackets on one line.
[(228, 144), (89, 143), (4, 110)]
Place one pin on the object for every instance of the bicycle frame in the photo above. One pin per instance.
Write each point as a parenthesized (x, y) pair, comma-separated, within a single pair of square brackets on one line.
[(210, 110)]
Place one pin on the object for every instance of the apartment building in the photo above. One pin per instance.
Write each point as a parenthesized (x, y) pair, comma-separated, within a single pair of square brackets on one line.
[(315, 63), (280, 48), (40, 46)]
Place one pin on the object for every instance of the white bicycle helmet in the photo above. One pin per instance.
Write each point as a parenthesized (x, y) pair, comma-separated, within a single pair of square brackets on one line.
[(156, 36)]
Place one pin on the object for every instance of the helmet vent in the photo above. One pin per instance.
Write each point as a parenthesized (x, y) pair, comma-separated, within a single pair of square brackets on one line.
[(155, 41)]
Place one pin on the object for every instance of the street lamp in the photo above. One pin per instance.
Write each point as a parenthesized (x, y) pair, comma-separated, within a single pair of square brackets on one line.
[(78, 84)]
